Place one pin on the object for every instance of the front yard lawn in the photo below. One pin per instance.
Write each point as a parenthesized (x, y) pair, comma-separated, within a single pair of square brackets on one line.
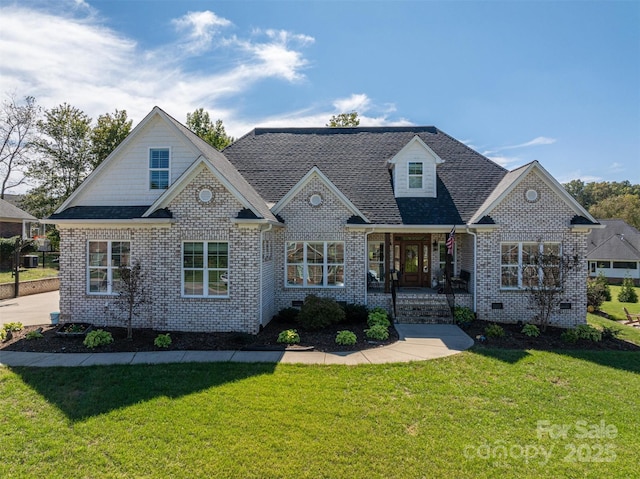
[(614, 308), (486, 413), (28, 274)]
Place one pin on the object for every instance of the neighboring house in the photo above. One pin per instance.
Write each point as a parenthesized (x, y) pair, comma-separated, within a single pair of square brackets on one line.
[(227, 239), (614, 251), (15, 222)]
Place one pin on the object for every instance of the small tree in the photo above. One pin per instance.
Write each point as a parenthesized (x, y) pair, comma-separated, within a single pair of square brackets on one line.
[(546, 276), (601, 279), (627, 293), (595, 294), (131, 293)]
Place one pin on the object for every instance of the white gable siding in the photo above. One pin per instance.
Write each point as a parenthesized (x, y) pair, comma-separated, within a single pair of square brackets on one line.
[(125, 180), (414, 153)]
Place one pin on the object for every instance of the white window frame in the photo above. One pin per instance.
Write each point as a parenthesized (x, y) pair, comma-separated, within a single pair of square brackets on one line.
[(520, 267), (153, 170), (109, 268), (305, 265), (411, 176), (206, 269)]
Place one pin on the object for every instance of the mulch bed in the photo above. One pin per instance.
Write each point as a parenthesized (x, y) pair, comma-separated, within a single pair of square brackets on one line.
[(266, 340), (143, 339), (548, 341)]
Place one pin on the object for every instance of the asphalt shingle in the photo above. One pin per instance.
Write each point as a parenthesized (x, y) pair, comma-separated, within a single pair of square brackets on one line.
[(356, 161)]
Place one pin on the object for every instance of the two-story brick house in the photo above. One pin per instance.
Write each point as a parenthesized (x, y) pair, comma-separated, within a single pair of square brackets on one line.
[(226, 239)]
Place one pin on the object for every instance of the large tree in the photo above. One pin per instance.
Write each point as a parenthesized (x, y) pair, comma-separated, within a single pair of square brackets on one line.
[(625, 207), (200, 123), (344, 120), (65, 158), (17, 128), (108, 134)]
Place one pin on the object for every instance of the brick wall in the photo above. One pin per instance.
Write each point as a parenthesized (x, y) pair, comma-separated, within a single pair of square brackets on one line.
[(548, 220), (159, 251), (320, 223)]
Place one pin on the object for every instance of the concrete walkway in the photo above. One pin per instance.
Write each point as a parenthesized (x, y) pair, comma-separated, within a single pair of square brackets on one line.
[(418, 342)]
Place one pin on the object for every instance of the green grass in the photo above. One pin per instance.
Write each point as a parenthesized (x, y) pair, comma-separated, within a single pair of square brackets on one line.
[(614, 307), (430, 419), (628, 333), (28, 274)]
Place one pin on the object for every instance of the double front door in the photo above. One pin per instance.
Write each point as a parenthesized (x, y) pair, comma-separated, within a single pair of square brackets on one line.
[(413, 261)]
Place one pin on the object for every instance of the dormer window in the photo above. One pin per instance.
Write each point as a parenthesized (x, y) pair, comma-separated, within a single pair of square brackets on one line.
[(415, 175), (158, 168)]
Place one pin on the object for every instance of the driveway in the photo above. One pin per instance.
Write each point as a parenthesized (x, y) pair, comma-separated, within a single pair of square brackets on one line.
[(32, 310)]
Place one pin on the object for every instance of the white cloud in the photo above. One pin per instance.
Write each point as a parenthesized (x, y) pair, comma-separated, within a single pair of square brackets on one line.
[(356, 102), (200, 28), (508, 162), (57, 57)]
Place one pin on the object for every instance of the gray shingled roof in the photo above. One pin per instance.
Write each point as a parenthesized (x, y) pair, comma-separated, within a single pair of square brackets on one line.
[(9, 211), (355, 160), (618, 241)]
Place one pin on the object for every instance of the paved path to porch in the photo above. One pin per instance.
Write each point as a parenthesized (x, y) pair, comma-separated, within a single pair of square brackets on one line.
[(418, 342)]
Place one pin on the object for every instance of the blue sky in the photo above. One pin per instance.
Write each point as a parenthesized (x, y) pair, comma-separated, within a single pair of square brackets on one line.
[(557, 82)]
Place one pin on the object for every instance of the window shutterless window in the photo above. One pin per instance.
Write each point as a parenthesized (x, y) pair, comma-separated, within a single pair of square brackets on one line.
[(415, 175), (523, 265), (205, 269), (158, 168), (104, 259), (315, 264)]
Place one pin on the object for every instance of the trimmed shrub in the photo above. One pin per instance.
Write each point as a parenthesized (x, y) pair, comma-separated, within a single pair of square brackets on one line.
[(584, 331), (317, 313), (34, 335), (627, 292), (377, 332), (355, 313), (378, 317), (96, 338), (569, 336), (3, 334), (289, 336), (531, 330), (346, 338), (463, 316), (494, 331), (162, 341), (288, 315)]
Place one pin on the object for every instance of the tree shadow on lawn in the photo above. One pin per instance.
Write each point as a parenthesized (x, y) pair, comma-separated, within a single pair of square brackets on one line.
[(84, 392), (624, 360)]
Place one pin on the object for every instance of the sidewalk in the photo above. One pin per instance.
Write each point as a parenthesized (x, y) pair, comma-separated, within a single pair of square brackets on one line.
[(418, 342)]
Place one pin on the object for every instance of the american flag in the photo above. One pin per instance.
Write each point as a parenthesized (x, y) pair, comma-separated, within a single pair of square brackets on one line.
[(451, 240)]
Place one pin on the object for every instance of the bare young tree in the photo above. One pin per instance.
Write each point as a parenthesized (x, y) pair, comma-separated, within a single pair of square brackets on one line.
[(545, 277), (17, 128), (131, 293)]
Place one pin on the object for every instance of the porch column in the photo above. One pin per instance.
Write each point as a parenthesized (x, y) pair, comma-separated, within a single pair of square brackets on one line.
[(387, 262)]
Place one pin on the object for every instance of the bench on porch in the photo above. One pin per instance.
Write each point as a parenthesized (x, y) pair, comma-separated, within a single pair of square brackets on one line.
[(462, 281)]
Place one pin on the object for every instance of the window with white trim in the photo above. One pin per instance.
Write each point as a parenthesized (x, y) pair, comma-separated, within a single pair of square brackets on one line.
[(415, 175), (315, 264), (205, 269), (525, 265), (104, 259), (159, 168)]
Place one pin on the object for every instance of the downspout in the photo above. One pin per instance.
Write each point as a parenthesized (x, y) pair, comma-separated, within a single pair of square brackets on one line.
[(262, 232), (475, 269)]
